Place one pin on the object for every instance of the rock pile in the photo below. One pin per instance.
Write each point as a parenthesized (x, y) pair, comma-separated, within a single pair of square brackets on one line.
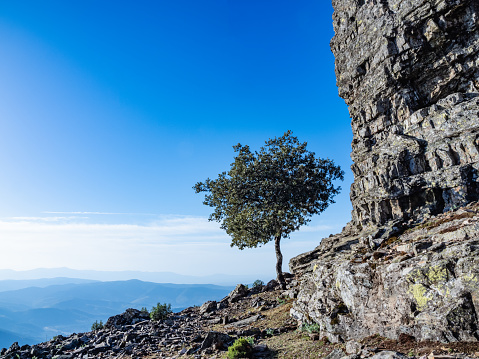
[(133, 334)]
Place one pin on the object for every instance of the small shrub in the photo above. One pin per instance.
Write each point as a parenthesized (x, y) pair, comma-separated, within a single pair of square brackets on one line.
[(241, 348), (160, 312), (144, 310), (97, 326), (258, 283), (310, 328), (281, 300)]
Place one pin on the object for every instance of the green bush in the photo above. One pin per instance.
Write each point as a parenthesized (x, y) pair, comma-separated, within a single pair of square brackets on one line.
[(241, 348), (310, 328), (258, 283), (160, 312), (96, 326)]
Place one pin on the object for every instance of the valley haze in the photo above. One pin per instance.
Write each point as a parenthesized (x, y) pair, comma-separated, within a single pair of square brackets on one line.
[(35, 310)]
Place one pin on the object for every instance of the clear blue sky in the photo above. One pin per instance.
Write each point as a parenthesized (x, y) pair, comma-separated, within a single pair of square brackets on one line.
[(110, 111)]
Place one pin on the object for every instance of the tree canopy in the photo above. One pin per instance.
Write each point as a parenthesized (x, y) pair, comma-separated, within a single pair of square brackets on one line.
[(268, 194)]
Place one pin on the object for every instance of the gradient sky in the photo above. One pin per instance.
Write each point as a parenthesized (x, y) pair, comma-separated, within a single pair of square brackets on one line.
[(110, 111)]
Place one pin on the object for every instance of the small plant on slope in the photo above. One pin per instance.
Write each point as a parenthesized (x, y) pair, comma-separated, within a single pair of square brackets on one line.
[(96, 326), (160, 312), (258, 283), (241, 348)]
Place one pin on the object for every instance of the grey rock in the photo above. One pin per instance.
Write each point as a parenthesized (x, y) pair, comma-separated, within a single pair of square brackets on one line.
[(208, 307), (245, 322), (353, 347), (389, 355), (217, 339), (408, 72), (335, 354), (239, 292), (129, 317), (430, 294)]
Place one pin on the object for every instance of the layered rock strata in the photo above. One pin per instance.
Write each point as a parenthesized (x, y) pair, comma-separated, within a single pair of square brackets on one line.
[(409, 72)]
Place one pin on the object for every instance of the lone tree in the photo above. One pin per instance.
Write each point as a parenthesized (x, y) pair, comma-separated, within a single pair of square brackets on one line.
[(266, 195)]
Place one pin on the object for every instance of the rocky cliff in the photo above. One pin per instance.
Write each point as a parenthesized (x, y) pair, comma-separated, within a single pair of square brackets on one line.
[(408, 263), (408, 70), (423, 283)]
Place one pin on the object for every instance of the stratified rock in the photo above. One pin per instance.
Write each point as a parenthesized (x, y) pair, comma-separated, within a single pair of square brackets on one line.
[(408, 70)]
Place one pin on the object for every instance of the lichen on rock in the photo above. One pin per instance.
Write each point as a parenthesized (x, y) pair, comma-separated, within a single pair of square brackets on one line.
[(430, 292)]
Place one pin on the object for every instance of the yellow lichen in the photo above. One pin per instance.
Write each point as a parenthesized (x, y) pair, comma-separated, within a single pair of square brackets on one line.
[(419, 293), (470, 278), (437, 274), (315, 267)]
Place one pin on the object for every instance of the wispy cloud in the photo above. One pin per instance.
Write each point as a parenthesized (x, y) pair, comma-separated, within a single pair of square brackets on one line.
[(102, 213), (43, 219)]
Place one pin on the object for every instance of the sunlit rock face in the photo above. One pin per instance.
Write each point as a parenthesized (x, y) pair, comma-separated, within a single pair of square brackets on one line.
[(409, 72)]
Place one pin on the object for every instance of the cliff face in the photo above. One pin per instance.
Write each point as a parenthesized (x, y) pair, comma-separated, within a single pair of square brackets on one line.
[(409, 72)]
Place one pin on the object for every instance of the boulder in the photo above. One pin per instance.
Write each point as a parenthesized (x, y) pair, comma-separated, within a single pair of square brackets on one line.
[(129, 317), (216, 339), (208, 307), (239, 292)]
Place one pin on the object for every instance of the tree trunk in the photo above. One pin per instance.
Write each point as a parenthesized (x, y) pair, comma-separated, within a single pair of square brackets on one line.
[(279, 262)]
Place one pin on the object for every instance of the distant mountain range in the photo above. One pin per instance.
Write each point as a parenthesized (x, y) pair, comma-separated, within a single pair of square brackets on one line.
[(155, 277), (33, 311)]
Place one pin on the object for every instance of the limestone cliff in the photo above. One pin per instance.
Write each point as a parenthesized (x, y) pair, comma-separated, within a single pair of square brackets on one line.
[(409, 72)]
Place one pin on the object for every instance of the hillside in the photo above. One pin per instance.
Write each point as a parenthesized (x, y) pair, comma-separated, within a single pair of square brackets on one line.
[(34, 314)]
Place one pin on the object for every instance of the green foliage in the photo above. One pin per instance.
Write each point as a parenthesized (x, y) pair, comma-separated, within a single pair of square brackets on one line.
[(160, 312), (269, 194), (281, 300), (241, 348), (310, 328), (97, 325), (144, 310), (258, 283)]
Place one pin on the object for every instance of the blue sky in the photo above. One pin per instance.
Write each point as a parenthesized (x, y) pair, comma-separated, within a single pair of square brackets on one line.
[(111, 111)]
